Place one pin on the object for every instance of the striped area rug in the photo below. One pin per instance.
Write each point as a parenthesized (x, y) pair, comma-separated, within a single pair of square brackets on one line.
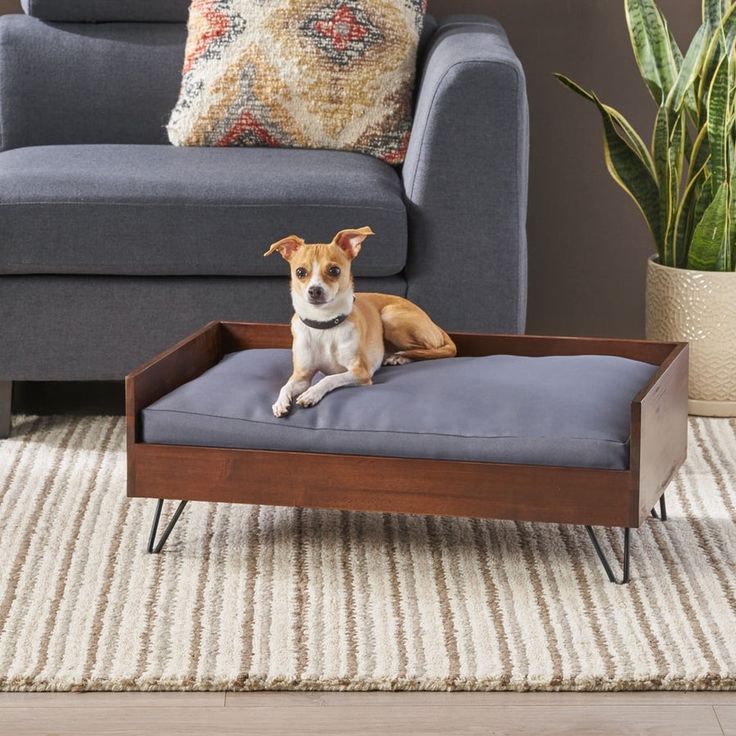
[(250, 597)]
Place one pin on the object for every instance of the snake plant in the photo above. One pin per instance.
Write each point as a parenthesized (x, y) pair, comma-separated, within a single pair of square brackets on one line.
[(684, 182)]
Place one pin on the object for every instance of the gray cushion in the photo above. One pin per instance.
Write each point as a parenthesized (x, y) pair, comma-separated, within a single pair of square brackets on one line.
[(556, 410), (87, 82), (161, 210), (167, 11)]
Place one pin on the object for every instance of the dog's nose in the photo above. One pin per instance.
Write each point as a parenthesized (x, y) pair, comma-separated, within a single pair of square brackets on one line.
[(316, 292)]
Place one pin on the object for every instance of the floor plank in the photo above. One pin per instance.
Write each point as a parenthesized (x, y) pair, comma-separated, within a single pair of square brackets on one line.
[(468, 699), (727, 718), (113, 700), (634, 720), (275, 699)]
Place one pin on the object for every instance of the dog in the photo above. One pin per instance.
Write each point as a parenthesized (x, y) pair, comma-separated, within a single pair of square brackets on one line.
[(344, 335)]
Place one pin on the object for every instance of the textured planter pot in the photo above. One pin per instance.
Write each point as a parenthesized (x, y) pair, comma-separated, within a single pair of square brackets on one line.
[(698, 307)]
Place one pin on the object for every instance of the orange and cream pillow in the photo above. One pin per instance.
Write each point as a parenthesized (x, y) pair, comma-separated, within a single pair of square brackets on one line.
[(333, 74)]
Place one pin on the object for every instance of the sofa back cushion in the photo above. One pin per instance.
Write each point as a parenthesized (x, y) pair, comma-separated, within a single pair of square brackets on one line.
[(87, 82), (90, 82), (335, 74), (100, 11)]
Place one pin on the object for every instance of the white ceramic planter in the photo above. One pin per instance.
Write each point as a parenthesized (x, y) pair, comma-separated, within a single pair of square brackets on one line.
[(698, 307)]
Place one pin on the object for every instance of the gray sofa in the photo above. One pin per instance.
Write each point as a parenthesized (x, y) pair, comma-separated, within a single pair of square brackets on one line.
[(114, 244)]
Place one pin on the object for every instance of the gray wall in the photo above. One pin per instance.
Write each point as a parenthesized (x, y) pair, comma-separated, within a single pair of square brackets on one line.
[(587, 243)]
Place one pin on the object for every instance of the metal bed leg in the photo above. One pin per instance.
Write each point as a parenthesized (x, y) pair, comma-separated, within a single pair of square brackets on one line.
[(604, 560), (662, 515), (152, 546)]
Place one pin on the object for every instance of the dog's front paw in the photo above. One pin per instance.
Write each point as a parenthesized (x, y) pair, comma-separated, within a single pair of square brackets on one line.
[(281, 407), (395, 359), (309, 398)]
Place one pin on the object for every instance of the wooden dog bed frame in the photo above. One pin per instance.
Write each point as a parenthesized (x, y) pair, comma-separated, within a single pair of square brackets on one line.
[(568, 495)]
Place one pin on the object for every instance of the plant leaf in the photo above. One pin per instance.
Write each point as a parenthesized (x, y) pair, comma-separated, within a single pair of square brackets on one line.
[(660, 154), (651, 41), (633, 138), (674, 46), (625, 164), (684, 219), (721, 37), (682, 89), (700, 150), (704, 198), (668, 147), (710, 235), (713, 11), (718, 115), (675, 160), (633, 177)]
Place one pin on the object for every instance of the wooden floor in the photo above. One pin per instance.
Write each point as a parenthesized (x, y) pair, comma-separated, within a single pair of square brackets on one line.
[(408, 714)]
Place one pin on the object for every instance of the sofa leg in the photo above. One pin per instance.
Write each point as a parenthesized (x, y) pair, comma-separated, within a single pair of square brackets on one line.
[(604, 560), (152, 546), (6, 396)]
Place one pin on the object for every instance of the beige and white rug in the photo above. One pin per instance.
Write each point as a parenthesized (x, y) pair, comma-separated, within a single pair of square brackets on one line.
[(269, 598)]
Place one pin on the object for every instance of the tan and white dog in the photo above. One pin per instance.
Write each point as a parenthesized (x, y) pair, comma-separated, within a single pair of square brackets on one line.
[(344, 335)]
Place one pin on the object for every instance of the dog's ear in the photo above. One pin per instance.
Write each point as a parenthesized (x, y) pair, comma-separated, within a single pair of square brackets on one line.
[(286, 246), (350, 241)]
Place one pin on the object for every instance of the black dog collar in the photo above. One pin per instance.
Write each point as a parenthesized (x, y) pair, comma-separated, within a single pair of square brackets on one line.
[(327, 324), (317, 325)]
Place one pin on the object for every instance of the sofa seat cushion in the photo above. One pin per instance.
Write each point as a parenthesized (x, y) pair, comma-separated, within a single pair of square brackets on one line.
[(161, 210), (555, 410)]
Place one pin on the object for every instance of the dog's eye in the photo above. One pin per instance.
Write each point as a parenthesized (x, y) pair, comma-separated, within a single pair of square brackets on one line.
[(301, 272), (334, 271)]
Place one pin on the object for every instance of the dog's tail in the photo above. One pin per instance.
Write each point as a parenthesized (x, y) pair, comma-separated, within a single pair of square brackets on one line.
[(446, 350)]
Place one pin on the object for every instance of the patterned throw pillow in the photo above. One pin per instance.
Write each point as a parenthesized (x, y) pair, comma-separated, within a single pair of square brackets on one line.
[(300, 73)]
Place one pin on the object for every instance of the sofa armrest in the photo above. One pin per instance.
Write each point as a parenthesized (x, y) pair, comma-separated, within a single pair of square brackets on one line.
[(465, 179)]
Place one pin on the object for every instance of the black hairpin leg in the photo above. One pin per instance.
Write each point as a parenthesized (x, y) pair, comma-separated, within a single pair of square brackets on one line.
[(662, 509), (604, 560), (152, 546)]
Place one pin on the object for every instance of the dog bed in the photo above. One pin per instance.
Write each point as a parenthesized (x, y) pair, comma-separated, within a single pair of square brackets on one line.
[(566, 430)]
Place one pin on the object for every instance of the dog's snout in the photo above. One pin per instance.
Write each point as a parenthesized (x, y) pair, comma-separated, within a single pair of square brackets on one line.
[(316, 292)]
